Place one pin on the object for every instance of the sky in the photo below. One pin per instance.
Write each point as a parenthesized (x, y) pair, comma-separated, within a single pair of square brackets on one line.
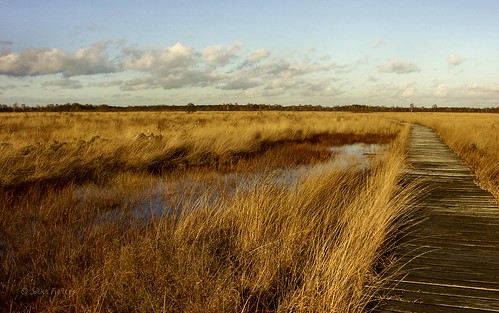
[(123, 52)]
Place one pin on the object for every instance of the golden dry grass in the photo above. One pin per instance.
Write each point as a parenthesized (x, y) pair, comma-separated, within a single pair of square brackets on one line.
[(267, 245), (78, 147)]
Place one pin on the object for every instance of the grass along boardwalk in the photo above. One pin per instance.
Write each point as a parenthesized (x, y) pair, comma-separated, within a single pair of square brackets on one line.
[(450, 260)]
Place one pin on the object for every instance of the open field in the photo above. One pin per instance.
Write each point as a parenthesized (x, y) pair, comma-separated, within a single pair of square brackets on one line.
[(184, 212), (209, 212), (66, 147), (474, 137)]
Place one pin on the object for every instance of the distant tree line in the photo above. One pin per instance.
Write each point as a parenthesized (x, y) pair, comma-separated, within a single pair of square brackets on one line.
[(190, 108)]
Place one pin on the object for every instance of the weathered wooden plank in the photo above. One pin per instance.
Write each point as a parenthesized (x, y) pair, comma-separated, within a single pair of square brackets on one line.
[(485, 240), (474, 259), (473, 230), (487, 214), (450, 290), (439, 241), (473, 271), (449, 260), (479, 231), (454, 247), (449, 300), (442, 276), (400, 305)]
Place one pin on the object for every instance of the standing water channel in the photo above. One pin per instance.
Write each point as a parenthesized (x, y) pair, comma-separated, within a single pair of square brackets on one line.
[(171, 196)]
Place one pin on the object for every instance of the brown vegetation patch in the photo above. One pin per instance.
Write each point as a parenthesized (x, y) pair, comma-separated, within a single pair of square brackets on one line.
[(312, 150)]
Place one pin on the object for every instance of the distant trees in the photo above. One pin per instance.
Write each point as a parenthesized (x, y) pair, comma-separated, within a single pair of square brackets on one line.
[(190, 108)]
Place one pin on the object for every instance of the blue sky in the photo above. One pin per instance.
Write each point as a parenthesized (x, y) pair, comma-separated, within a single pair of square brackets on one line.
[(286, 52)]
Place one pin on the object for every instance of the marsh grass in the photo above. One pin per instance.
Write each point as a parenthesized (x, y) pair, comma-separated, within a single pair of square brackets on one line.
[(77, 148), (310, 246)]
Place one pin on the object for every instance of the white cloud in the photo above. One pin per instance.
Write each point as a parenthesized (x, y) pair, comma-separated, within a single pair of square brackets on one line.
[(258, 55), (31, 62), (187, 78), (93, 60), (190, 78), (399, 67), (219, 56), (177, 57), (175, 67), (454, 59)]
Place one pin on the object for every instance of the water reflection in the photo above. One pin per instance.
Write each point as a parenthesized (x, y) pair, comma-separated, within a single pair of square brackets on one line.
[(172, 196)]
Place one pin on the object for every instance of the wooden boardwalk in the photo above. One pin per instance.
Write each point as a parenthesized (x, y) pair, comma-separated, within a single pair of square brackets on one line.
[(450, 260)]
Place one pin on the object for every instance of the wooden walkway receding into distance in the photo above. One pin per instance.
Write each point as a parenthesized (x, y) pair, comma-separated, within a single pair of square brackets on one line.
[(450, 259)]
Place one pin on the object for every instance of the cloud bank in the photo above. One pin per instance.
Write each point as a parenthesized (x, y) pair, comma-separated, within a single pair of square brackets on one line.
[(226, 71), (178, 66)]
